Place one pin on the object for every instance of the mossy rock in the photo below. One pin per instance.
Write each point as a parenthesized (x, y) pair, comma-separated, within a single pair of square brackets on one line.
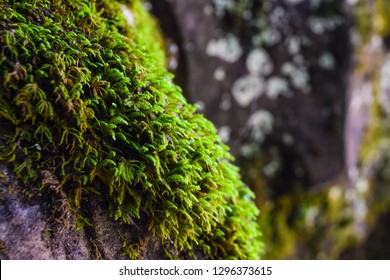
[(86, 102)]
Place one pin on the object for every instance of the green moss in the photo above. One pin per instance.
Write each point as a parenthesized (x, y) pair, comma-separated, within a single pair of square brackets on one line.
[(372, 18), (87, 101), (2, 176), (382, 18), (148, 27), (309, 225), (376, 132)]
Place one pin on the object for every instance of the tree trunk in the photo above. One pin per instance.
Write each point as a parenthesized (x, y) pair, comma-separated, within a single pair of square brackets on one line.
[(308, 143)]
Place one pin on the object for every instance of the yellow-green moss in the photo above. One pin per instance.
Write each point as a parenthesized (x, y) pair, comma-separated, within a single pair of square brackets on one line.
[(372, 18), (382, 17), (377, 130), (86, 101), (309, 225)]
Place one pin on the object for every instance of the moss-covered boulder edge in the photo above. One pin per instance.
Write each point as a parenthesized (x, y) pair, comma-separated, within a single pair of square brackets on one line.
[(87, 102)]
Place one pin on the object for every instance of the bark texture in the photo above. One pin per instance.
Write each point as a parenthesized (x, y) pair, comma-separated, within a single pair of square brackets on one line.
[(319, 147)]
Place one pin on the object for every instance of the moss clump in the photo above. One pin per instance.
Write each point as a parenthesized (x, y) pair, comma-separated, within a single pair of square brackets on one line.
[(87, 102)]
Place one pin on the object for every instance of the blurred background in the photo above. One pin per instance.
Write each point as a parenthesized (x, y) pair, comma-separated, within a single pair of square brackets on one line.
[(300, 92)]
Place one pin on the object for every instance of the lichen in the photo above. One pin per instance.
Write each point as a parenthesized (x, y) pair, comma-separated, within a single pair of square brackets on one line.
[(86, 99), (219, 74), (227, 48), (226, 102), (298, 75), (258, 62), (260, 124), (318, 25), (224, 132), (264, 28), (294, 45), (326, 61), (222, 5), (268, 37), (276, 86), (247, 89)]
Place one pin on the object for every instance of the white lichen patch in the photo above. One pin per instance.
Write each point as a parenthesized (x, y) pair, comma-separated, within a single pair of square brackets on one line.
[(227, 49), (250, 149), (173, 50), (247, 89), (277, 16), (276, 86), (128, 15), (224, 133), (299, 76), (271, 168), (319, 25), (316, 25), (260, 123), (226, 102), (258, 62), (293, 45), (288, 68), (301, 80), (326, 61), (221, 6), (219, 74), (269, 37)]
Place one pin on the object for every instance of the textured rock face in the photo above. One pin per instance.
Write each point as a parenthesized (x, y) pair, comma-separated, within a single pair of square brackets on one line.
[(27, 231), (101, 148), (30, 231)]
